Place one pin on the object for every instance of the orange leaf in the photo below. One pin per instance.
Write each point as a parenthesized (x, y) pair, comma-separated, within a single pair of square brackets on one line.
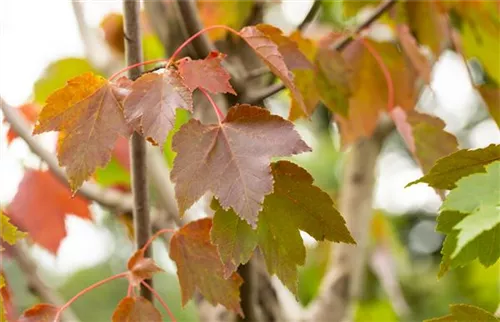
[(39, 313), (88, 114), (199, 267), (154, 97), (231, 159), (141, 268), (269, 52), (136, 309), (410, 46), (206, 73), (30, 112), (112, 26), (40, 206)]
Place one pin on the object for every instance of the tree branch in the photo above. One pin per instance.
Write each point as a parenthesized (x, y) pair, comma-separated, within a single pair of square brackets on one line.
[(108, 198), (339, 45), (342, 283), (133, 54), (36, 284), (310, 15)]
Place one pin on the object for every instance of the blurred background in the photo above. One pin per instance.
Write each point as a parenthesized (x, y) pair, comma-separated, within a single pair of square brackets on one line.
[(42, 46)]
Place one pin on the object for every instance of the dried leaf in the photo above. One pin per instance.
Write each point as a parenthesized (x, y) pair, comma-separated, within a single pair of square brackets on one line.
[(40, 207), (136, 309), (296, 204), (39, 313), (88, 114), (150, 107), (199, 267), (269, 52), (206, 73), (141, 268), (231, 159)]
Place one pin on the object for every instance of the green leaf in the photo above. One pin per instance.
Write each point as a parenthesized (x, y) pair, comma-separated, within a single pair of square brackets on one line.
[(448, 170), (294, 205), (57, 74), (465, 313), (470, 216), (113, 174)]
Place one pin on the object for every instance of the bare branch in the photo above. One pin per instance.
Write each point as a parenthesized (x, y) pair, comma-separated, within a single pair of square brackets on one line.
[(310, 15), (339, 45), (108, 198), (133, 53), (36, 284)]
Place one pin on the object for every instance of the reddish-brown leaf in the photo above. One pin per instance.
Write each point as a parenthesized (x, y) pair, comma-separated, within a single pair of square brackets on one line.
[(412, 50), (270, 53), (136, 309), (39, 313), (416, 129), (199, 267), (7, 308), (29, 112), (491, 96), (206, 73), (370, 95), (88, 114), (294, 58), (141, 268), (150, 106), (40, 206), (231, 159), (112, 27)]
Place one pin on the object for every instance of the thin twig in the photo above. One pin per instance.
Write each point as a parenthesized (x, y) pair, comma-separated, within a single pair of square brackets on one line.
[(108, 198), (133, 53), (37, 285), (260, 94), (310, 15)]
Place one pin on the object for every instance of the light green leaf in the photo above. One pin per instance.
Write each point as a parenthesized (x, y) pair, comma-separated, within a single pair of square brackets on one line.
[(57, 74)]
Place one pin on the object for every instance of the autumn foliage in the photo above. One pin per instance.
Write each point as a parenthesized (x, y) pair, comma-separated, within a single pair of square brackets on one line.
[(261, 202)]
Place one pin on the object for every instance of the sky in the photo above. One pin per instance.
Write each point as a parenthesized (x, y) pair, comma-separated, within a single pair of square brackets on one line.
[(31, 42)]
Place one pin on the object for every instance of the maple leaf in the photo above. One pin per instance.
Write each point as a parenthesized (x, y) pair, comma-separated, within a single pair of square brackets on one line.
[(270, 53), (412, 50), (296, 204), (8, 232), (39, 313), (231, 159), (305, 80), (199, 267), (29, 112), (40, 206), (491, 96), (136, 309), (112, 27), (7, 312), (151, 104), (206, 73), (88, 114), (416, 128), (448, 170), (229, 13), (465, 313), (369, 88), (141, 268), (476, 195), (428, 24)]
